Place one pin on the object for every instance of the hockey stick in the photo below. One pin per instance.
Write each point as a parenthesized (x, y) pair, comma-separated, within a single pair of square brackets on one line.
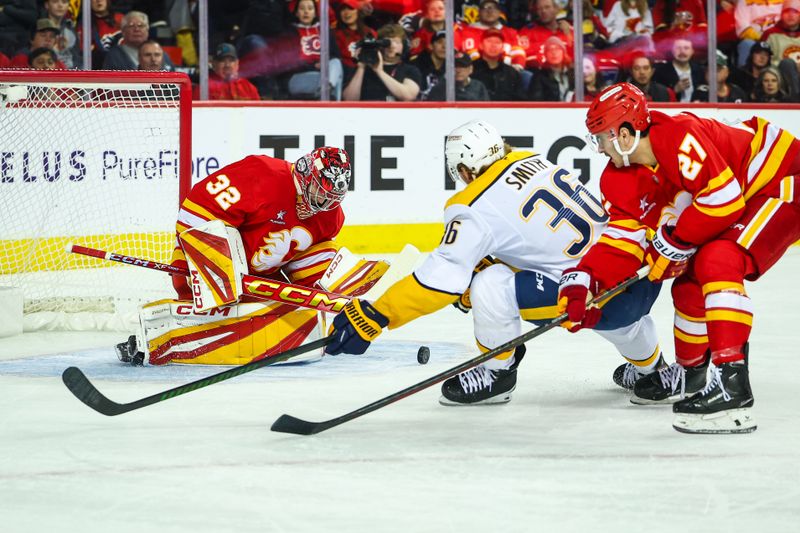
[(79, 385), (289, 424), (261, 288)]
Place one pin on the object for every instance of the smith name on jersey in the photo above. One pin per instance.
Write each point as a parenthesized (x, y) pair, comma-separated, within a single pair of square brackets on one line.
[(523, 210)]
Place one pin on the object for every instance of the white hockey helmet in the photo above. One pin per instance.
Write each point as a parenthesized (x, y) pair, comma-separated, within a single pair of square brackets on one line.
[(476, 145)]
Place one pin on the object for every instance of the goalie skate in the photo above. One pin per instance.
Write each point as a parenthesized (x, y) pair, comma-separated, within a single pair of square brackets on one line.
[(481, 385), (128, 352), (723, 406)]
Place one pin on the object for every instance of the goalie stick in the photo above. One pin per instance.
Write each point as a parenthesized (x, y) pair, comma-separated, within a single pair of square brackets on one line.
[(83, 389), (261, 288), (290, 424)]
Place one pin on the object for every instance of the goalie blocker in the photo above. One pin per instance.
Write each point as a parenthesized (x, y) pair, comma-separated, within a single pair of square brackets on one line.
[(175, 331)]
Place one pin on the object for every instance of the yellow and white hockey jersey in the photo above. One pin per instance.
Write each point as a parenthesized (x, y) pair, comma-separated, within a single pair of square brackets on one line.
[(523, 210)]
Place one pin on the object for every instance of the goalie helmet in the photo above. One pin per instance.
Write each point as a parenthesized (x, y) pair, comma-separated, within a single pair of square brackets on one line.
[(322, 178), (475, 145)]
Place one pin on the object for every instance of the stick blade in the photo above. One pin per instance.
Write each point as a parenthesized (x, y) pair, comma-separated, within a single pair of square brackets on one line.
[(290, 424), (80, 386)]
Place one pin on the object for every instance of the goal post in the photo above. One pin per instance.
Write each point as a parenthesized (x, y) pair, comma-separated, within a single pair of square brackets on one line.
[(96, 158)]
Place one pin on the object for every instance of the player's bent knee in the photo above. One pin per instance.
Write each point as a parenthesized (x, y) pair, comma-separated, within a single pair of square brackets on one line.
[(720, 260)]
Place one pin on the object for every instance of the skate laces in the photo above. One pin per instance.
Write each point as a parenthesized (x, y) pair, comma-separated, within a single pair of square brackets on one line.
[(716, 379), (630, 375), (476, 379), (671, 376)]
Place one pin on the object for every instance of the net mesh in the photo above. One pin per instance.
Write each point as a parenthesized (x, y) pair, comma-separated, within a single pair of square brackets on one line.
[(96, 165)]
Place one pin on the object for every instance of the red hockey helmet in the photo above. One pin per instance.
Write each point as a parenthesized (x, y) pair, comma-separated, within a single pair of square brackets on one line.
[(616, 105), (322, 178)]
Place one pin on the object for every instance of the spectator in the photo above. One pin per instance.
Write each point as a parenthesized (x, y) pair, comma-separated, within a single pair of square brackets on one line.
[(489, 19), (682, 74), (665, 13), (533, 36), (769, 87), (555, 81), (350, 28), (467, 89), (17, 17), (432, 23), (642, 72), (501, 80), (784, 37), (595, 34), (431, 64), (224, 82), (125, 54), (757, 60), (45, 36), (384, 75), (683, 27), (5, 62), (726, 92), (630, 20), (151, 56), (753, 18), (591, 84), (66, 48), (106, 29), (42, 59)]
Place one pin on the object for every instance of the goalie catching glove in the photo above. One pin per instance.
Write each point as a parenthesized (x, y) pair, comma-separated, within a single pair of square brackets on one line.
[(575, 290), (667, 256), (355, 328)]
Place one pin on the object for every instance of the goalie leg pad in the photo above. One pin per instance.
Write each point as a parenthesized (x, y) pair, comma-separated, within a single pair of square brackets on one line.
[(216, 260), (173, 332)]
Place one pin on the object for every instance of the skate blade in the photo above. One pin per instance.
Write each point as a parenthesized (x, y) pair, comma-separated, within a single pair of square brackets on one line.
[(724, 422), (494, 400), (669, 400)]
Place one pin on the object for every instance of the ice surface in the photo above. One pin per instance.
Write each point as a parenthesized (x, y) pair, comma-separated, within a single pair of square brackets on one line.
[(569, 453)]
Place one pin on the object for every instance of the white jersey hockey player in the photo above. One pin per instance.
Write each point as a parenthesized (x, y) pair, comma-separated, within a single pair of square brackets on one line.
[(535, 220)]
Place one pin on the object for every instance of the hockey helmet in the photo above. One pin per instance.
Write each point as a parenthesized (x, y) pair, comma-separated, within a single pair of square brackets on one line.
[(475, 145), (614, 106), (322, 178)]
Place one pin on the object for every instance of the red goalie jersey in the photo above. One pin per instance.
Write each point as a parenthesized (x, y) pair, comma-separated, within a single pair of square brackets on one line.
[(258, 196), (707, 172)]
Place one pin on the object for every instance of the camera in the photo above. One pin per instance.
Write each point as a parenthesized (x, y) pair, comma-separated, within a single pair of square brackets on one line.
[(369, 49)]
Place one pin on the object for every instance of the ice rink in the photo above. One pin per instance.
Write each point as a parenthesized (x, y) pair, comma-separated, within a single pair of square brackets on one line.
[(569, 453)]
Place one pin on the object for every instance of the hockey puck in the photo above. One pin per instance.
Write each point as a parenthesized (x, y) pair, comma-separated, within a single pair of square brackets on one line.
[(423, 355)]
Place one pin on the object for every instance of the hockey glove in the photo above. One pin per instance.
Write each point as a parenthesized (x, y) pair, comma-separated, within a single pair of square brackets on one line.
[(464, 303), (355, 328), (667, 256), (575, 290)]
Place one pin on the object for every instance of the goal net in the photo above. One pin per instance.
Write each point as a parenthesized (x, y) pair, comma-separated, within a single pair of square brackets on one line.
[(99, 159)]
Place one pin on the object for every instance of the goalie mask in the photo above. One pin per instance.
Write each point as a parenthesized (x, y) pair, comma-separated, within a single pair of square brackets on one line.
[(614, 106), (322, 178), (474, 146)]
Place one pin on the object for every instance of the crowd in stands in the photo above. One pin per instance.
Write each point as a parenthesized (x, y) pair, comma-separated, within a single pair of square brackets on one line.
[(396, 50)]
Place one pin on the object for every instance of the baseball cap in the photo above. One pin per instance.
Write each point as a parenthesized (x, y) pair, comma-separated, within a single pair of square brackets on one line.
[(225, 50), (722, 59), (352, 4), (462, 60), (493, 33), (495, 2), (47, 25), (441, 34), (760, 46), (555, 41)]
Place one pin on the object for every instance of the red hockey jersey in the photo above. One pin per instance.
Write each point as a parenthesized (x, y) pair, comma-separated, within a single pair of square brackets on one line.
[(706, 173), (257, 195)]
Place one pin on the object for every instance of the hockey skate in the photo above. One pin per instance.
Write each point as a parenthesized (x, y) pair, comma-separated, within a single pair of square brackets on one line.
[(127, 352), (482, 386), (670, 384), (723, 406), (626, 374)]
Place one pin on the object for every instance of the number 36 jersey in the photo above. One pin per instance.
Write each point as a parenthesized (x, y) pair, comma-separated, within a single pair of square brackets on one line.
[(523, 210)]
